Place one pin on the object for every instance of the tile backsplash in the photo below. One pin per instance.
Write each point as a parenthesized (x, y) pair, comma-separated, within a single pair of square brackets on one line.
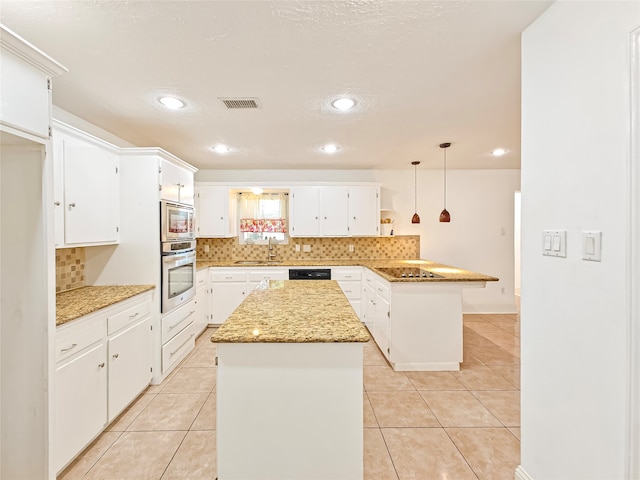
[(335, 248), (69, 269)]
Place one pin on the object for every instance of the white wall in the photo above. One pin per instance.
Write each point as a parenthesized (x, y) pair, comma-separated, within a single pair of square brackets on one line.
[(575, 320), (479, 237)]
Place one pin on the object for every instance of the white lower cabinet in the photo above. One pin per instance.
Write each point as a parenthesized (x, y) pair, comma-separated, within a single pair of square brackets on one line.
[(129, 365), (229, 290), (350, 281), (103, 363), (80, 402)]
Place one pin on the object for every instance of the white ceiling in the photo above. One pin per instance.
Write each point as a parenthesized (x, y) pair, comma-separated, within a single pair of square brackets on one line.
[(422, 73)]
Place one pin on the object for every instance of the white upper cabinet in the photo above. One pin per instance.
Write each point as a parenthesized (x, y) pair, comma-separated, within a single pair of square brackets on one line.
[(319, 211), (364, 211), (86, 189), (25, 86), (213, 214), (334, 211), (176, 181)]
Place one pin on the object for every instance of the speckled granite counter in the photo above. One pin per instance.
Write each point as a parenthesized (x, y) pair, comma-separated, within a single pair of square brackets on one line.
[(293, 312), (76, 303), (447, 272)]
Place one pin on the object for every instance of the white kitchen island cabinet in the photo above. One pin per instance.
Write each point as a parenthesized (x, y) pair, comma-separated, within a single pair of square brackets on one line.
[(289, 385)]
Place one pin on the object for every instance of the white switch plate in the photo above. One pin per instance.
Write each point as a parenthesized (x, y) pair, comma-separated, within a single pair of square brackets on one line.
[(297, 247), (351, 249), (592, 246), (554, 243)]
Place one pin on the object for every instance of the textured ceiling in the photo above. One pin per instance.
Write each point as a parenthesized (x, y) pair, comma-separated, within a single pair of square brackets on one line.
[(422, 73)]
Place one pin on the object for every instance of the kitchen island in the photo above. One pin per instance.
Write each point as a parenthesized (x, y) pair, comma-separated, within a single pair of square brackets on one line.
[(289, 385)]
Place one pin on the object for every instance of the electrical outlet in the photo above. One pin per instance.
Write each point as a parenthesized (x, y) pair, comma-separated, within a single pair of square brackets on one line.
[(351, 249), (306, 248), (297, 247), (206, 249)]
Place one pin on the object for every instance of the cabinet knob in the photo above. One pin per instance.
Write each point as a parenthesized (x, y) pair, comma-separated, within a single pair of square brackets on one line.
[(221, 218), (116, 355), (57, 204), (71, 205), (101, 365)]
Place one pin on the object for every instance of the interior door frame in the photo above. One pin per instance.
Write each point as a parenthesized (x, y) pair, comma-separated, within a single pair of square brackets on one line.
[(633, 434)]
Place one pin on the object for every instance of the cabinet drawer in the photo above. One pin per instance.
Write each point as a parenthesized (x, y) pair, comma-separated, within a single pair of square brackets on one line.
[(267, 274), (369, 279), (348, 275), (176, 321), (382, 290), (73, 338), (126, 317), (350, 289), (226, 276), (177, 347)]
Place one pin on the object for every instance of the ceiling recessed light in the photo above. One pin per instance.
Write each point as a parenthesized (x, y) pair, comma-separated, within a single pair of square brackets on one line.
[(330, 148), (257, 191), (498, 152), (343, 104), (220, 148), (172, 103)]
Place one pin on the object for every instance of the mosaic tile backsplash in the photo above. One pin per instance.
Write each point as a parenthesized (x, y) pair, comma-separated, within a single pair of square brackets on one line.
[(69, 269), (393, 247)]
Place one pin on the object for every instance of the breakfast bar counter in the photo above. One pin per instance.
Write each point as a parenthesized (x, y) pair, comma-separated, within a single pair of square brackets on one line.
[(289, 385)]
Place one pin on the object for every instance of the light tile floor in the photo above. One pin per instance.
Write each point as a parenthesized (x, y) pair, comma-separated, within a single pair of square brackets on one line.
[(417, 425)]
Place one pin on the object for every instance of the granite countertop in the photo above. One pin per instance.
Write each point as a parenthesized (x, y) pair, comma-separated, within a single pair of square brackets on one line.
[(447, 272), (78, 302), (283, 311)]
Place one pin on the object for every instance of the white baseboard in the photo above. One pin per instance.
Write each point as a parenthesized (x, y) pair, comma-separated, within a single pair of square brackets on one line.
[(521, 474), (490, 307), (427, 367)]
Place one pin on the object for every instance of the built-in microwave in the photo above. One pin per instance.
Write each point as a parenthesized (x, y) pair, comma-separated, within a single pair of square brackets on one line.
[(176, 222)]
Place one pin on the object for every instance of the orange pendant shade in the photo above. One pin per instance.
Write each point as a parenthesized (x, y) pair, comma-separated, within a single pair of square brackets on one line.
[(444, 216)]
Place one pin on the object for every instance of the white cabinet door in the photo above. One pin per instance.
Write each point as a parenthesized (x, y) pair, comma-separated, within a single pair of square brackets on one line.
[(319, 211), (334, 220), (58, 190), (364, 211), (129, 365), (80, 402), (202, 312), (368, 307), (176, 182), (381, 327), (305, 212), (226, 298), (25, 92), (212, 212), (91, 193)]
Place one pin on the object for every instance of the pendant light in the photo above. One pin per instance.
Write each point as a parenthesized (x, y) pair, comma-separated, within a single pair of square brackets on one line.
[(416, 217), (444, 215)]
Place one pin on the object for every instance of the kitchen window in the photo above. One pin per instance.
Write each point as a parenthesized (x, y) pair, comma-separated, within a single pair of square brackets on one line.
[(263, 216)]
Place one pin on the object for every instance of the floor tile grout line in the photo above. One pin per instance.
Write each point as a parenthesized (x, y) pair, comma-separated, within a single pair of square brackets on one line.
[(460, 452), (389, 452), (174, 453), (77, 459)]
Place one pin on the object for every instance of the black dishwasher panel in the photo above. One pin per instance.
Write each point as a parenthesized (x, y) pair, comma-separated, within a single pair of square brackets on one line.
[(310, 274)]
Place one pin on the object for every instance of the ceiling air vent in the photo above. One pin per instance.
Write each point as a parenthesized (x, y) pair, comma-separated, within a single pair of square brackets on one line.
[(241, 102)]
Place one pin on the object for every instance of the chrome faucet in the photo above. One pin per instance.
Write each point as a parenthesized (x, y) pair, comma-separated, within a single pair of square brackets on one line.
[(270, 253)]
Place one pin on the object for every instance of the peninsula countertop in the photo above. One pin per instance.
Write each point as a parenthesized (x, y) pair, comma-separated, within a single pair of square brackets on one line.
[(446, 272), (283, 311), (78, 302)]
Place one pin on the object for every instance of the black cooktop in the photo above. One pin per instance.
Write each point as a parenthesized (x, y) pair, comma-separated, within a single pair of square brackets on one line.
[(409, 272)]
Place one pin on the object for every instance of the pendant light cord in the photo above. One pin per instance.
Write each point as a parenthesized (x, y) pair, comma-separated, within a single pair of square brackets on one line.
[(444, 201), (415, 188)]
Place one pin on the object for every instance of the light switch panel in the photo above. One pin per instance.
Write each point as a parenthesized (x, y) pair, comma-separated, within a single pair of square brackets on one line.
[(591, 246), (554, 243)]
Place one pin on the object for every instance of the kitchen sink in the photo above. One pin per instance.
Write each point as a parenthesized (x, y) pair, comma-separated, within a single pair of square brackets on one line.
[(257, 262)]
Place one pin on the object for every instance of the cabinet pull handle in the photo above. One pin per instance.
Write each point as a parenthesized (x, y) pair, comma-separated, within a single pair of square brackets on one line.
[(72, 205), (221, 218), (101, 365), (171, 327), (347, 276), (74, 345), (228, 278), (57, 204), (182, 345), (116, 355), (134, 315)]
